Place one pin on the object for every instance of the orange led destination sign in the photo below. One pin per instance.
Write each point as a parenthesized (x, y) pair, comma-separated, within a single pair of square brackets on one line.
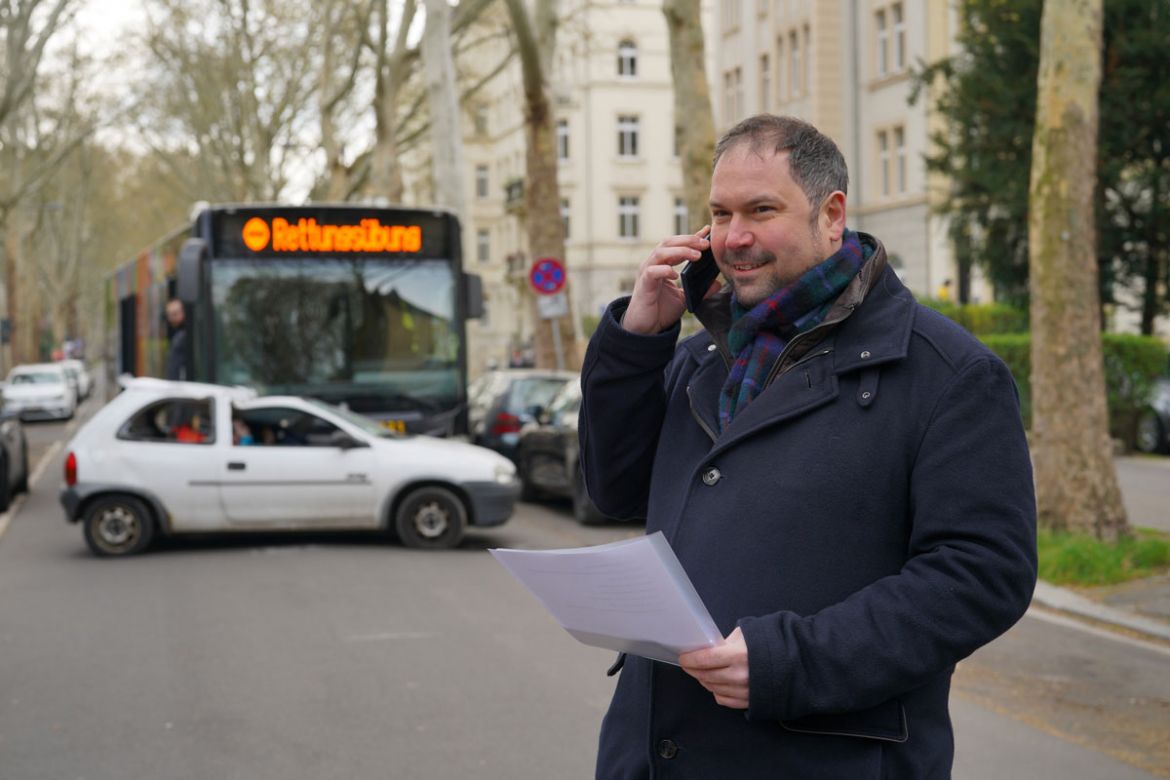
[(307, 235)]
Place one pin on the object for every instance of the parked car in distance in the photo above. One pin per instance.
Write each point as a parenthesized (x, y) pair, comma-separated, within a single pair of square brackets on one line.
[(547, 455), (84, 378), (501, 402), (1153, 431), (183, 457), (41, 391), (13, 455)]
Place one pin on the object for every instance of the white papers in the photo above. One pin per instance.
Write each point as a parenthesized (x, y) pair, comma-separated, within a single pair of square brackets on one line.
[(631, 596)]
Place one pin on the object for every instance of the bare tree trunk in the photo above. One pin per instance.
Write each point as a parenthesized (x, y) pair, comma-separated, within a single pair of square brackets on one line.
[(443, 94), (1076, 481), (694, 125), (542, 199)]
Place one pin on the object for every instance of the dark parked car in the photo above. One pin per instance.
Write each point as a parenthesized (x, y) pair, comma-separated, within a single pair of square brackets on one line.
[(501, 402), (1153, 433), (547, 455), (13, 455)]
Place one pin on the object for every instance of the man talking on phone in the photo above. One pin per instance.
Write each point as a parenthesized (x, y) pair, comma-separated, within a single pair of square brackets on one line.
[(841, 471)]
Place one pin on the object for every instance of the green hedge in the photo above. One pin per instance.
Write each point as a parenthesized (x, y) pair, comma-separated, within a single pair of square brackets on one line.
[(982, 318), (1132, 363)]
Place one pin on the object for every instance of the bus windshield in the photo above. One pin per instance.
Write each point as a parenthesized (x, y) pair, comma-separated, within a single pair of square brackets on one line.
[(377, 333)]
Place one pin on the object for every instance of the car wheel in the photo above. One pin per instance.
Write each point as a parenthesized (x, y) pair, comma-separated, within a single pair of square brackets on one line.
[(584, 509), (117, 525), (1150, 435), (5, 492), (528, 491), (431, 518), (22, 483)]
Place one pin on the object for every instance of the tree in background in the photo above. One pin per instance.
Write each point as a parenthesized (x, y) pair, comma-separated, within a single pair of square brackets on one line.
[(1076, 482), (987, 92), (535, 43), (694, 125)]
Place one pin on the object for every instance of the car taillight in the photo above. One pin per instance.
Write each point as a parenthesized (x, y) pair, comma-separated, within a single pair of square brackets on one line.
[(506, 423), (71, 469)]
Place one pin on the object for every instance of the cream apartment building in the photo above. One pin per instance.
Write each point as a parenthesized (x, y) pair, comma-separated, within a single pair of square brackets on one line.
[(844, 65), (619, 177)]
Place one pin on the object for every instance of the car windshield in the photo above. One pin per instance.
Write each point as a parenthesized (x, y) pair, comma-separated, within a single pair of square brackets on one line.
[(45, 378), (534, 391), (365, 423)]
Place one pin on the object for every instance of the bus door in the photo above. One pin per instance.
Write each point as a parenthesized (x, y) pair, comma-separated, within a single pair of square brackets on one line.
[(128, 335)]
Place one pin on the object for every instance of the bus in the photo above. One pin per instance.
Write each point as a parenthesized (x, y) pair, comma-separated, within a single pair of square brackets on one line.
[(365, 307)]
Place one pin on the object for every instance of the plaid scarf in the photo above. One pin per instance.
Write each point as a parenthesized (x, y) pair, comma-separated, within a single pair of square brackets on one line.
[(758, 335)]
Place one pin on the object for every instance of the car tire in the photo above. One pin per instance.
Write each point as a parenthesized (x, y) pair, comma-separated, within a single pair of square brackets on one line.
[(1150, 436), (117, 525), (431, 518), (584, 510), (528, 491), (22, 483), (6, 492)]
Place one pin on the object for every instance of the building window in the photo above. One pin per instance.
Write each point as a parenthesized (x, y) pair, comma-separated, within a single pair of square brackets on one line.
[(562, 139), (780, 95), (806, 71), (899, 37), (682, 218), (627, 136), (481, 181), (565, 217), (481, 120), (628, 209), (883, 42), (627, 59), (765, 83), (483, 245), (794, 81), (883, 142), (733, 94), (900, 159), (731, 11)]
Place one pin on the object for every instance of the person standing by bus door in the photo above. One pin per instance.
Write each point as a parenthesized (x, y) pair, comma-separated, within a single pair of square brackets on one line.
[(177, 353)]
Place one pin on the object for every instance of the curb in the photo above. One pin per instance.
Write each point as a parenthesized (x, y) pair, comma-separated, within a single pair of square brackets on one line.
[(1064, 600)]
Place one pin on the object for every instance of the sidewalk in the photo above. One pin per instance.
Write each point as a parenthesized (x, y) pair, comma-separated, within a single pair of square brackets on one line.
[(1141, 606)]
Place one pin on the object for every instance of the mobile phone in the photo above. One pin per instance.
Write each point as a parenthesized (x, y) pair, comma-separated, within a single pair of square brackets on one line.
[(697, 278)]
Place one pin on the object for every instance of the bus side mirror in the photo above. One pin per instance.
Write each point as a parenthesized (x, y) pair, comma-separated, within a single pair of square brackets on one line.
[(473, 288), (190, 271)]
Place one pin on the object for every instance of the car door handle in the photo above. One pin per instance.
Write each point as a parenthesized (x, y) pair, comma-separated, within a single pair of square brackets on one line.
[(236, 466)]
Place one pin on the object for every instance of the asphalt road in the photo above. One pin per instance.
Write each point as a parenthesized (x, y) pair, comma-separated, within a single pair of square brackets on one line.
[(343, 656)]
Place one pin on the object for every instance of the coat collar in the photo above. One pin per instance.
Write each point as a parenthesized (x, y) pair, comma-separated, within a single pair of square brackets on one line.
[(869, 325)]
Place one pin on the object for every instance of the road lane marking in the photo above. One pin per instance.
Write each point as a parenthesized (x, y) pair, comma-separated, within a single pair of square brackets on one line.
[(388, 635)]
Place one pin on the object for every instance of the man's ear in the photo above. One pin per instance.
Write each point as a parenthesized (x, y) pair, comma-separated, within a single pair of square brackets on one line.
[(832, 216)]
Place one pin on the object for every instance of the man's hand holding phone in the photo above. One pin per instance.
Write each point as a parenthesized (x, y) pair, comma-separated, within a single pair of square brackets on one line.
[(658, 303)]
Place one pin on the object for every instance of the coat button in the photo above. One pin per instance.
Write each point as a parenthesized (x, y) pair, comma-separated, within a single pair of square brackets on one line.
[(711, 347), (865, 355), (667, 749), (711, 476)]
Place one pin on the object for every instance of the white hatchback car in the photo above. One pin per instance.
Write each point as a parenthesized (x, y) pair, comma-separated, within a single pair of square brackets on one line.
[(183, 457), (40, 391)]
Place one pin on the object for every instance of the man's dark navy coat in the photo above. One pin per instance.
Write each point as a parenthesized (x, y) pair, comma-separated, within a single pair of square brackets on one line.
[(868, 521)]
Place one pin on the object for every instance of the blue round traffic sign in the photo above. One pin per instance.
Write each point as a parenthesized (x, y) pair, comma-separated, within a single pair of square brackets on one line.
[(547, 276)]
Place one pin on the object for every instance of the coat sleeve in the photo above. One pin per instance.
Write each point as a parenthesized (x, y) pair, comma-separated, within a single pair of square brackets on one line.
[(968, 577), (623, 386)]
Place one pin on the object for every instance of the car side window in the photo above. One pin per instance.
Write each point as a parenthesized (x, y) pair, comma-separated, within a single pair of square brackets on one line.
[(174, 420), (284, 427)]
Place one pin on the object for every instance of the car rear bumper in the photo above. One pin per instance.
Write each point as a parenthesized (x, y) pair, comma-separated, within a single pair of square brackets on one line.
[(491, 502), (71, 501)]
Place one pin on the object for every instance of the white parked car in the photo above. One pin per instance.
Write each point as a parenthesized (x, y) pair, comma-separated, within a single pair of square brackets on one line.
[(84, 379), (40, 391), (183, 457)]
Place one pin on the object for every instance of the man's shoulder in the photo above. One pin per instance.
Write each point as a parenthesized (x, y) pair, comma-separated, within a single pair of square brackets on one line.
[(936, 334)]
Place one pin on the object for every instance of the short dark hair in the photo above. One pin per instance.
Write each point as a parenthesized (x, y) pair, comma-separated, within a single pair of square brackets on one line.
[(815, 162)]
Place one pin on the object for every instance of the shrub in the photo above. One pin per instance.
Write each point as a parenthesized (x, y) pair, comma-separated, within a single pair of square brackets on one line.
[(983, 318), (1080, 559), (1132, 363)]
